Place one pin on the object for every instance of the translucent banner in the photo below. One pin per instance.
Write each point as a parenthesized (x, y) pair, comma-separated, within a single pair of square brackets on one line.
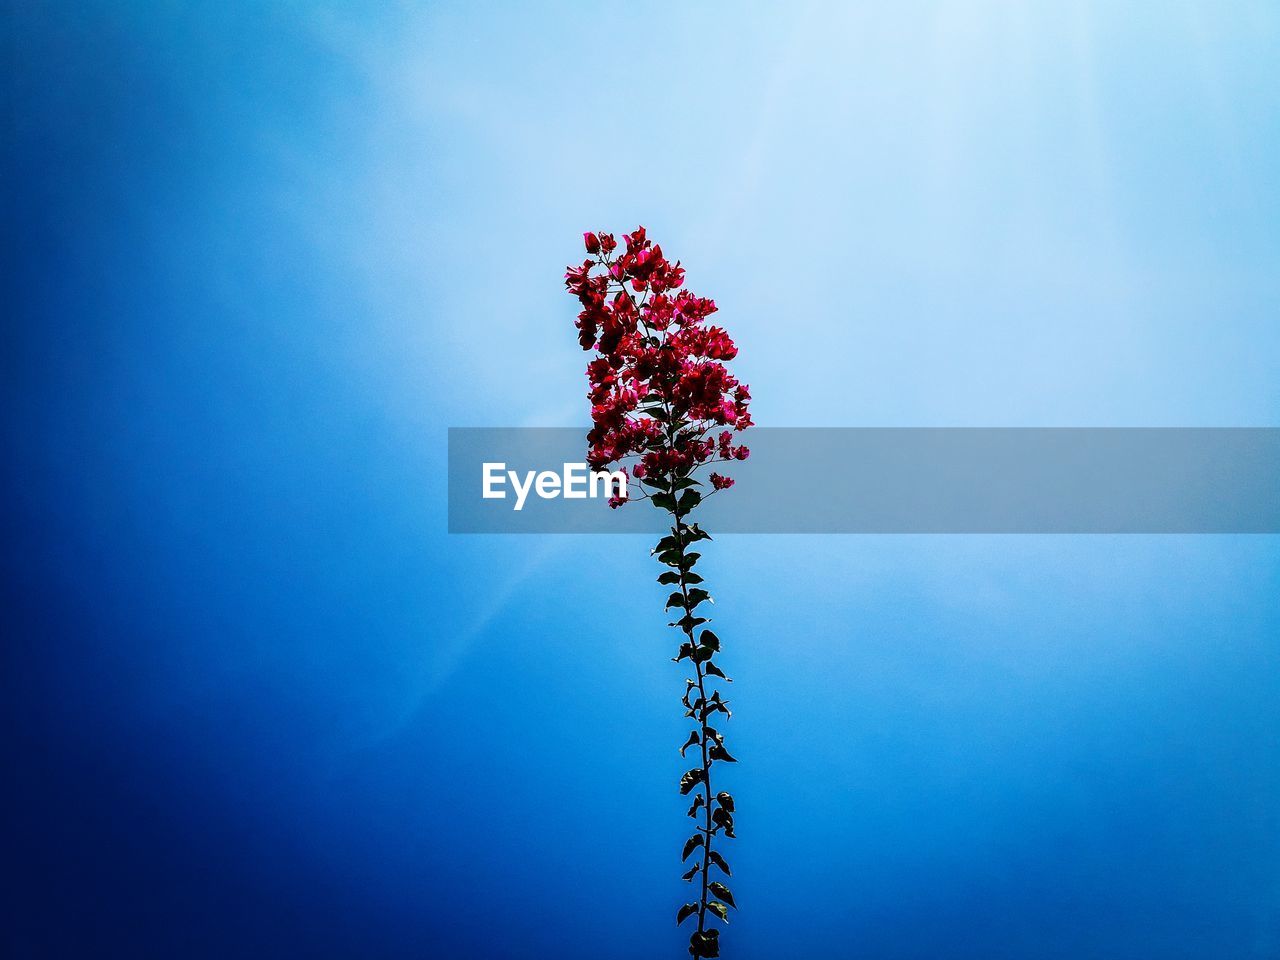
[(895, 480)]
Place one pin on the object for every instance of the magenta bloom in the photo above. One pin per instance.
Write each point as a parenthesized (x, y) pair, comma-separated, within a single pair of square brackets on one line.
[(658, 362)]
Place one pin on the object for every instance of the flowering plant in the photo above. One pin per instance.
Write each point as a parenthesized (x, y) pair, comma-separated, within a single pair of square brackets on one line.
[(663, 406)]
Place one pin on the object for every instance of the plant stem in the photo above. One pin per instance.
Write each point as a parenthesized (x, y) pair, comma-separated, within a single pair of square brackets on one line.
[(678, 532)]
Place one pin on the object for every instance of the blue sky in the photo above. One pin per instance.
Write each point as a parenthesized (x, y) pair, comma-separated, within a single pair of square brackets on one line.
[(260, 259)]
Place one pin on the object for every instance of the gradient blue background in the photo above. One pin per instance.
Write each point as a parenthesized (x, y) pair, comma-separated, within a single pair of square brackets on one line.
[(258, 258)]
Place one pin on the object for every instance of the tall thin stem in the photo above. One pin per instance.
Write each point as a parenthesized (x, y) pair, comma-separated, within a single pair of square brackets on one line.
[(678, 532)]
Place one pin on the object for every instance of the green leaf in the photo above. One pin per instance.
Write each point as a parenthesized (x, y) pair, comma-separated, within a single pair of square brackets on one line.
[(690, 845), (725, 800), (691, 742), (688, 910), (672, 558), (723, 819), (702, 654), (697, 805), (691, 779), (669, 578), (690, 577), (715, 706), (719, 909), (664, 501), (689, 621), (717, 752), (721, 891), (699, 534), (715, 671), (688, 500), (687, 482), (686, 650), (705, 943), (719, 862), (709, 639), (688, 875), (675, 600), (696, 596), (689, 560)]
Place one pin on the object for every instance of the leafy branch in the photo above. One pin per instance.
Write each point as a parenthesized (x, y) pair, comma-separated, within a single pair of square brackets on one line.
[(714, 810), (659, 391), (679, 496)]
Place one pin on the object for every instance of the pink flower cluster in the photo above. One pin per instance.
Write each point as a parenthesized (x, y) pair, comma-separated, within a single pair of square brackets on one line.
[(659, 387)]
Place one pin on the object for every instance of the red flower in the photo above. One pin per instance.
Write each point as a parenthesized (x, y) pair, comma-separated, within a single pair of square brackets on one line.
[(659, 386), (635, 241), (721, 483)]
